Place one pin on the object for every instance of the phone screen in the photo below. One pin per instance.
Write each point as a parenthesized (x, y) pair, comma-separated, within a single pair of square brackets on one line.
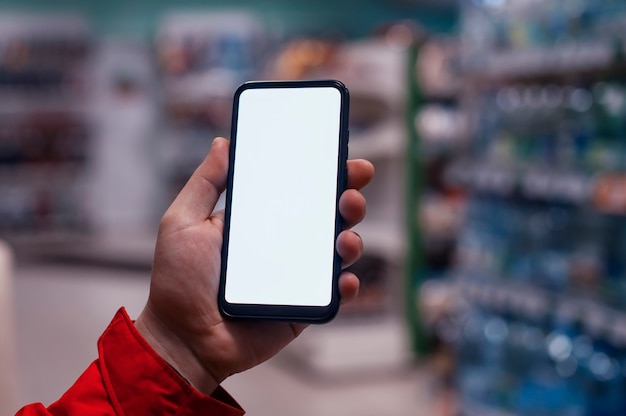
[(282, 218)]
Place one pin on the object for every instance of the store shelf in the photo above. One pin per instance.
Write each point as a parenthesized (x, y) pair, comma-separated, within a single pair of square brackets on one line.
[(199, 88), (40, 174), (133, 251), (526, 299), (372, 68), (46, 135), (533, 182), (569, 58), (201, 60), (43, 104), (384, 141), (538, 262)]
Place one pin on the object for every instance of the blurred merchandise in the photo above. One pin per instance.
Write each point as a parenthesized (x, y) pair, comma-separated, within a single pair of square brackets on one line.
[(202, 58), (46, 134), (533, 303), (303, 59), (534, 37)]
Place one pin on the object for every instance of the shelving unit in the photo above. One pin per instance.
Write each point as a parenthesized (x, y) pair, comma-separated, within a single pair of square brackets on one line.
[(373, 70), (45, 135), (202, 58), (369, 335), (533, 305)]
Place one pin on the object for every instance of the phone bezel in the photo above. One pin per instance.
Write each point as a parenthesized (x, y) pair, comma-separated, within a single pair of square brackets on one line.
[(290, 313)]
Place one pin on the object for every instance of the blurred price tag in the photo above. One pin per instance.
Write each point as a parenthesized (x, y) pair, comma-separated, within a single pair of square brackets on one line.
[(609, 193)]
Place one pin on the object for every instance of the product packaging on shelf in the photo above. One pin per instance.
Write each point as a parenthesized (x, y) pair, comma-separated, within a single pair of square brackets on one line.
[(539, 266), (46, 132)]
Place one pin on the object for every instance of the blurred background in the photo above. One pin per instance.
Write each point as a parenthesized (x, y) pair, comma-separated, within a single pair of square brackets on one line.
[(494, 277)]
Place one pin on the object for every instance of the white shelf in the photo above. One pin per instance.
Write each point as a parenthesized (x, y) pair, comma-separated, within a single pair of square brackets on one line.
[(541, 61), (132, 250), (385, 141), (200, 87), (373, 68), (597, 316)]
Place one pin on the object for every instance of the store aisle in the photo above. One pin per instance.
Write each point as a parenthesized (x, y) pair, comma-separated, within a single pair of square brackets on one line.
[(61, 310)]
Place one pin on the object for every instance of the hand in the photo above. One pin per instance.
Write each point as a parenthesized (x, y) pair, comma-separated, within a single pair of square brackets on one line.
[(181, 320)]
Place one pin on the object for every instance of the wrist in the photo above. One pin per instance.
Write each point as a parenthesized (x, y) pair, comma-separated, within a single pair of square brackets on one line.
[(175, 352)]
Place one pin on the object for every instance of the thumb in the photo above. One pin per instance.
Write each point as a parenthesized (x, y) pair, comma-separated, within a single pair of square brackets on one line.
[(197, 199)]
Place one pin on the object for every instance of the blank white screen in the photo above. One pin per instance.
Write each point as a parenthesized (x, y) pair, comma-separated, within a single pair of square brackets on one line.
[(282, 225)]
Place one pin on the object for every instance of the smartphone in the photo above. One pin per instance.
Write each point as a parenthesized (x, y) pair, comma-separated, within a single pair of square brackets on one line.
[(288, 151)]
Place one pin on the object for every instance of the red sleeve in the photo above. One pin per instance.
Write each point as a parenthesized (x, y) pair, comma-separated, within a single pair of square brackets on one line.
[(129, 378)]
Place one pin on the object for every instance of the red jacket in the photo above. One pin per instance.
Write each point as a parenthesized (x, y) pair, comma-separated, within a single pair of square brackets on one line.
[(129, 378)]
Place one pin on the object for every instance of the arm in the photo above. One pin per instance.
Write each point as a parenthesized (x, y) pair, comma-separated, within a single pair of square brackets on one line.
[(130, 378), (182, 347)]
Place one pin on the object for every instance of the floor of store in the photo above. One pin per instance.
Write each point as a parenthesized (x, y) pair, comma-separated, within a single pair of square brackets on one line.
[(61, 310)]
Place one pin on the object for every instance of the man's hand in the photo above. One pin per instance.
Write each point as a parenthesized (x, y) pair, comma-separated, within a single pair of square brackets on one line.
[(181, 320)]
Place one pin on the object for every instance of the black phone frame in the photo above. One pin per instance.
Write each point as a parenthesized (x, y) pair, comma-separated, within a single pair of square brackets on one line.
[(288, 313)]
